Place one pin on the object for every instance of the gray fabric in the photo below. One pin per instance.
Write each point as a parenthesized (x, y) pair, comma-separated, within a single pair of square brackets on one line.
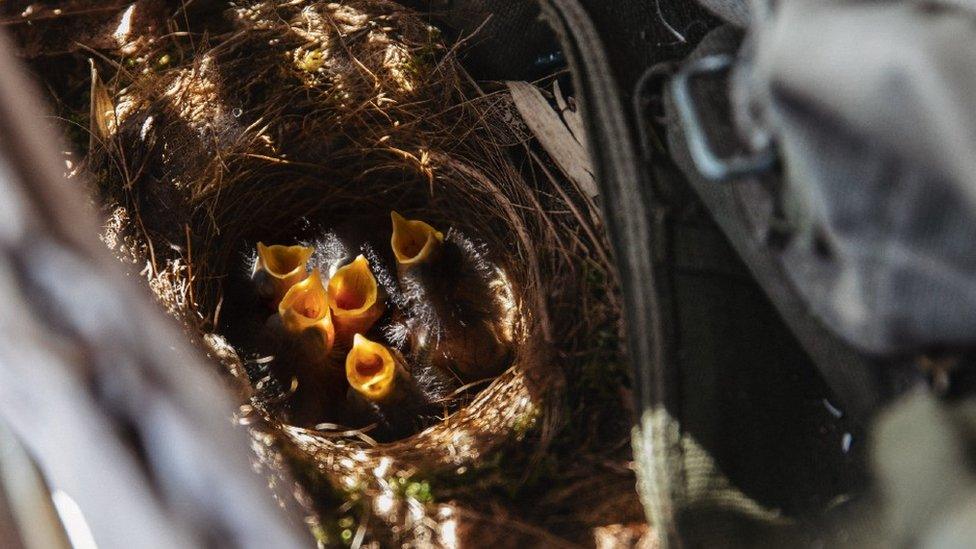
[(735, 12), (925, 474), (873, 106), (746, 213), (760, 457)]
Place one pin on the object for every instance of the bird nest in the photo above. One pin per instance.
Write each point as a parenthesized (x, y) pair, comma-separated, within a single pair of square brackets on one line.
[(305, 122)]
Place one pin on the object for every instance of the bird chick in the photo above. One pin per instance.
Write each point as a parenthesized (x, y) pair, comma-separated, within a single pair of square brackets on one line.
[(355, 299), (305, 314), (457, 319), (278, 268), (381, 388), (414, 242), (372, 370), (307, 334)]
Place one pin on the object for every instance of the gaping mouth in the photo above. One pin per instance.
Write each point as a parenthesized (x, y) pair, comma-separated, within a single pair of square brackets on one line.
[(310, 309), (284, 266), (413, 241), (306, 306), (354, 295), (370, 368), (350, 299), (353, 288), (283, 261)]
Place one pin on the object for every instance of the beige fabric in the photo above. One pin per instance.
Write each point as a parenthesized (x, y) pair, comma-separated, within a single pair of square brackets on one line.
[(873, 109)]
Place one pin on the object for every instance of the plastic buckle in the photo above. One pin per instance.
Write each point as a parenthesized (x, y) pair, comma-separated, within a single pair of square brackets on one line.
[(712, 166)]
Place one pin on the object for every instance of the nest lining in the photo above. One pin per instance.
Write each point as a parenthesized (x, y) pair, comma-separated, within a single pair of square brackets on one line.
[(308, 120)]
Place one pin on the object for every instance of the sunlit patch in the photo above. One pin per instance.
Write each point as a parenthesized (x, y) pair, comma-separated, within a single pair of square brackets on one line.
[(122, 32), (396, 60), (416, 510), (194, 94), (448, 527), (413, 241), (306, 307), (383, 504), (383, 468), (311, 61), (370, 368), (146, 126), (501, 286), (347, 18)]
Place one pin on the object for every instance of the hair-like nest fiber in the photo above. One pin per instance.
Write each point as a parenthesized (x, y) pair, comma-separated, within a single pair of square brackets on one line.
[(306, 116)]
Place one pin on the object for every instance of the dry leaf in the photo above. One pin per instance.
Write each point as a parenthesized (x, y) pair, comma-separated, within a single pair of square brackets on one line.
[(555, 135)]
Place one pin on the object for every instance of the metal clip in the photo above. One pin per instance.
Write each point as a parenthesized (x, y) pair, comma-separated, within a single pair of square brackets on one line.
[(709, 164)]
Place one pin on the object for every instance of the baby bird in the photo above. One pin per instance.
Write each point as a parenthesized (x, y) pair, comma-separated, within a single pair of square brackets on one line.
[(381, 388), (356, 300), (455, 316), (306, 335), (278, 268), (414, 242), (305, 314)]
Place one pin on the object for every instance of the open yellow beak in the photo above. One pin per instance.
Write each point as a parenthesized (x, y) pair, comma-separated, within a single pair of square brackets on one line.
[(354, 296), (306, 307), (286, 265), (413, 241), (370, 368)]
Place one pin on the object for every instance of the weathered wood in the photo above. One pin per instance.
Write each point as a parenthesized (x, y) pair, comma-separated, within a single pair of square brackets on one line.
[(100, 386)]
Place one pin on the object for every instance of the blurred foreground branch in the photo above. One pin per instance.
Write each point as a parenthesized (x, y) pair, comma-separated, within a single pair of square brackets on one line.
[(118, 411)]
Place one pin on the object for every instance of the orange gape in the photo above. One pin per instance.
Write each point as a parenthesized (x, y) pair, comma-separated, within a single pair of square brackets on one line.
[(413, 242), (371, 369), (305, 308), (285, 265), (355, 300)]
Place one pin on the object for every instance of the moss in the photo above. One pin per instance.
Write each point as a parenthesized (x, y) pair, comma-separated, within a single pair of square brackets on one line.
[(341, 530), (525, 423), (424, 58), (311, 61), (320, 534), (419, 491), (413, 488)]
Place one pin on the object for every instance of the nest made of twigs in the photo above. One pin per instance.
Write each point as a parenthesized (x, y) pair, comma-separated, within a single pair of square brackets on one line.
[(301, 117)]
